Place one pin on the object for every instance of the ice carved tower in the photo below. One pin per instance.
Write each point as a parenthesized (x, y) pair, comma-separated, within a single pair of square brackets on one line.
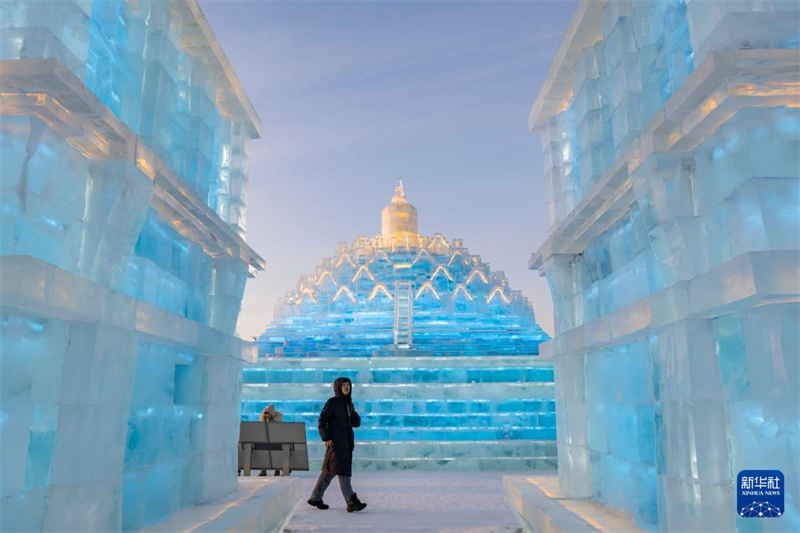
[(442, 352), (124, 151), (671, 136)]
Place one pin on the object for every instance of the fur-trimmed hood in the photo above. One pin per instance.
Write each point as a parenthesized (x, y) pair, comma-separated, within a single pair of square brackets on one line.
[(337, 388)]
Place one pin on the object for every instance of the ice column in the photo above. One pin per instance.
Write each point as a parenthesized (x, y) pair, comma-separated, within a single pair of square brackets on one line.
[(674, 257), (123, 143)]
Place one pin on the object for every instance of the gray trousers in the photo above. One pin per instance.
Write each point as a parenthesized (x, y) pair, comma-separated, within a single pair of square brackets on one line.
[(325, 479)]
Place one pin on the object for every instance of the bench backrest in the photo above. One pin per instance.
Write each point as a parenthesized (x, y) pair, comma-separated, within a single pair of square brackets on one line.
[(267, 439), (272, 432), (290, 432), (252, 432)]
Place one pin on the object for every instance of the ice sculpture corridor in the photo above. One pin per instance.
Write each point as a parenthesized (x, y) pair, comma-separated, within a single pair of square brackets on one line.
[(443, 354)]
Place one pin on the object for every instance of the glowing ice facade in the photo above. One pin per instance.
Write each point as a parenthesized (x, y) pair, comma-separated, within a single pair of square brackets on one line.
[(123, 146), (435, 297), (671, 135), (441, 349)]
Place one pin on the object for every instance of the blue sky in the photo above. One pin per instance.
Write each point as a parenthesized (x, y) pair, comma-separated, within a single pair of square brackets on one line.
[(354, 95)]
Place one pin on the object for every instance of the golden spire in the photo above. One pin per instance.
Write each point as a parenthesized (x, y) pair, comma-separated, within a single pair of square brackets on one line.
[(399, 195), (399, 224)]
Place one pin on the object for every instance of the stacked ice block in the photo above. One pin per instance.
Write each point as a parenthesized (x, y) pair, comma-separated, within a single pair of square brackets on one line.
[(477, 412), (123, 149), (441, 351), (674, 263)]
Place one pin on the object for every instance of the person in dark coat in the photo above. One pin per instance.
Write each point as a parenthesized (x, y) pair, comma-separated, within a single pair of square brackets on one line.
[(336, 423)]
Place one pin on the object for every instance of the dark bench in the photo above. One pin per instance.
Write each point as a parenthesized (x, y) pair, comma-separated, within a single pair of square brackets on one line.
[(272, 446)]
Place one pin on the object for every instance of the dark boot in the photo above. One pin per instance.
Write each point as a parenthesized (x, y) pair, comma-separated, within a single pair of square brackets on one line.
[(355, 504), (318, 504)]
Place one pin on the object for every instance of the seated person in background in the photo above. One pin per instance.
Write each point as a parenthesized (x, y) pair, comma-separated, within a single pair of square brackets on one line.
[(269, 414)]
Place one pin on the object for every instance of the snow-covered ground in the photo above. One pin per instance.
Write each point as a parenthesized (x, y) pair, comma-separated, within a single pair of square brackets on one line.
[(413, 501)]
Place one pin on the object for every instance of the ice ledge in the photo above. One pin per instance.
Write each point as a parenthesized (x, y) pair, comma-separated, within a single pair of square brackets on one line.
[(744, 282), (393, 391), (403, 363), (259, 505), (541, 508), (198, 39), (719, 87), (32, 285), (585, 29), (46, 89)]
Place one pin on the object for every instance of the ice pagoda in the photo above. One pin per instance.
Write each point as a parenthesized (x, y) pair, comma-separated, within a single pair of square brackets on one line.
[(442, 351)]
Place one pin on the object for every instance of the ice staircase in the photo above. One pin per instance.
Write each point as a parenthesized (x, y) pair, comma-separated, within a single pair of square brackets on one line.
[(459, 413), (403, 315)]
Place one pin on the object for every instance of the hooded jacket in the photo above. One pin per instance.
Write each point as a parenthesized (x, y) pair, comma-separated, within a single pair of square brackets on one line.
[(336, 423)]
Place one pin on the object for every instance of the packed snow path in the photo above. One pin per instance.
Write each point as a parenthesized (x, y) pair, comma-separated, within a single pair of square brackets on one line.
[(411, 501)]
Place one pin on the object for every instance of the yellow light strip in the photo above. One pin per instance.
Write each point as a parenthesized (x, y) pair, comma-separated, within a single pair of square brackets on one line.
[(478, 273), (495, 292), (442, 270), (362, 270), (462, 288), (427, 286), (379, 288), (344, 290), (322, 277)]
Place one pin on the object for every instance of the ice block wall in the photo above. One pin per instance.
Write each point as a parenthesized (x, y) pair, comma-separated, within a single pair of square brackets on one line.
[(671, 136), (123, 146)]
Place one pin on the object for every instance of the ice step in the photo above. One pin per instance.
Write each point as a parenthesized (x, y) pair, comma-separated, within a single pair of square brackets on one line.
[(386, 449), (450, 463), (456, 434), (373, 391), (492, 361), (449, 374), (422, 421), (408, 407)]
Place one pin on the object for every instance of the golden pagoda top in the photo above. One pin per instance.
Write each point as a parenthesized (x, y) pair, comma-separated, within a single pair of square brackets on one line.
[(399, 195), (399, 221)]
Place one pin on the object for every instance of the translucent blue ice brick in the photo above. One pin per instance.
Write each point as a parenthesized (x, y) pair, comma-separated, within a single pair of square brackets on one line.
[(254, 375), (745, 221), (643, 493), (615, 480), (599, 371), (143, 437), (163, 494), (41, 446), (596, 426), (134, 491), (31, 358), (108, 74), (35, 29), (771, 332), (623, 432), (15, 421), (197, 430), (24, 512), (646, 433)]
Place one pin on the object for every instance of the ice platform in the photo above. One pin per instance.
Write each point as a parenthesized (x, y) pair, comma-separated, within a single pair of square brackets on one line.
[(259, 504), (541, 508), (443, 413)]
